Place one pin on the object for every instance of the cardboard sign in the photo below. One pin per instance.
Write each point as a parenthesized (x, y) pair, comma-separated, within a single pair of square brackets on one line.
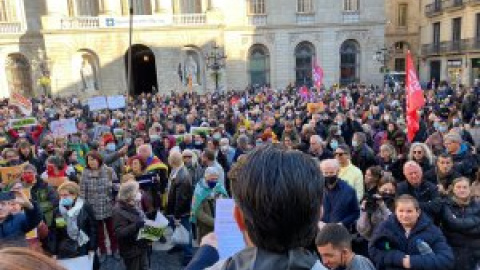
[(56, 181), (23, 122), (23, 103), (200, 130), (10, 174), (97, 103), (116, 102), (315, 107), (63, 127)]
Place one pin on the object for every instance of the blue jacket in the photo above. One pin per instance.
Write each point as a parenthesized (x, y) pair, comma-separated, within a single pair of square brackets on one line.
[(426, 194), (389, 245), (340, 204), (16, 226)]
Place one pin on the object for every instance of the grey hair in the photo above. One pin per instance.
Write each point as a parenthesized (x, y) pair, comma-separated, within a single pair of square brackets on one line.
[(128, 191), (210, 171), (329, 162), (242, 139), (148, 146), (426, 150), (316, 138), (224, 140)]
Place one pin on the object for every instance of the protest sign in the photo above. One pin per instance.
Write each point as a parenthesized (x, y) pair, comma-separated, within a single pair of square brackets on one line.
[(23, 122), (200, 130), (83, 262), (97, 103), (315, 107), (10, 174), (23, 103), (230, 239), (116, 102), (63, 127), (56, 181)]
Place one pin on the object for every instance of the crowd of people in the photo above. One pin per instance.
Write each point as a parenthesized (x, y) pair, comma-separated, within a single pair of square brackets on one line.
[(327, 179)]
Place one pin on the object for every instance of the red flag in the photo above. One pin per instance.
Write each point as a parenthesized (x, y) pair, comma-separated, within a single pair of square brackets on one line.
[(304, 92), (317, 74), (415, 98)]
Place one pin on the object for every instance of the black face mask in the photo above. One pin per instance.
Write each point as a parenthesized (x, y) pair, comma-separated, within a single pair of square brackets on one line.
[(330, 180)]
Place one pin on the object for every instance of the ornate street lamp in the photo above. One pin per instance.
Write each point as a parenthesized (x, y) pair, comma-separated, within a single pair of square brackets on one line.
[(215, 60), (383, 56)]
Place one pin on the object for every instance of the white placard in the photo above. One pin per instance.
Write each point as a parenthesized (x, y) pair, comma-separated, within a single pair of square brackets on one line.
[(84, 263), (230, 239), (63, 127), (116, 102), (97, 103)]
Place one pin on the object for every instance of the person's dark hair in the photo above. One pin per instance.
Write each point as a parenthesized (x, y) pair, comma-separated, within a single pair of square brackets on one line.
[(444, 156), (280, 194), (376, 172), (336, 235), (387, 178), (362, 138), (209, 154), (94, 155), (345, 148), (57, 161)]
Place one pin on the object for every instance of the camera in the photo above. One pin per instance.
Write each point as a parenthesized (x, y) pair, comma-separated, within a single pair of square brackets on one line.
[(372, 201)]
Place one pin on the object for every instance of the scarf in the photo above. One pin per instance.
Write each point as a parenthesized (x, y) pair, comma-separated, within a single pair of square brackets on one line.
[(459, 202), (70, 217), (202, 192)]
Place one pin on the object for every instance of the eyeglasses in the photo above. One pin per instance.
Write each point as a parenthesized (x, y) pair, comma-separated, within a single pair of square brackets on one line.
[(340, 154)]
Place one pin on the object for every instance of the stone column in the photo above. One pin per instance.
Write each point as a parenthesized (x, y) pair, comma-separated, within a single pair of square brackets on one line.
[(163, 6)]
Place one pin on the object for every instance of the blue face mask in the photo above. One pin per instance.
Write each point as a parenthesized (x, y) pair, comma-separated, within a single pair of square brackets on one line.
[(211, 184), (66, 202), (333, 145), (111, 147), (442, 129)]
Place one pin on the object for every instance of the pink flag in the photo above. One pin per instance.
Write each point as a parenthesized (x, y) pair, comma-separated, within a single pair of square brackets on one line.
[(317, 74)]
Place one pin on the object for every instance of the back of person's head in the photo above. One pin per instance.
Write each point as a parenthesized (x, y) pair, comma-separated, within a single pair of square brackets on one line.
[(26, 259), (278, 195), (336, 235)]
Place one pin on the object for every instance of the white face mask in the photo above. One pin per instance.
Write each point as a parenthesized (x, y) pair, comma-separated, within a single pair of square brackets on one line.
[(138, 197)]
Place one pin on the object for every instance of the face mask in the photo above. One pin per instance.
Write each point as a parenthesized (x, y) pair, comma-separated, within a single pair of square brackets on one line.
[(224, 148), (128, 141), (456, 121), (355, 144), (333, 145), (386, 118), (66, 202), (370, 117), (436, 125), (28, 178), (217, 136), (138, 197), (212, 184), (442, 129), (111, 147), (198, 143), (154, 137), (330, 180), (477, 123), (339, 123)]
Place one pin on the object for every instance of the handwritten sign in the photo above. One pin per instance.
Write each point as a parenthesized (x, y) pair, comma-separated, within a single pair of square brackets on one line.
[(10, 174), (230, 239), (97, 103), (23, 103), (116, 102), (63, 127), (315, 107), (23, 122)]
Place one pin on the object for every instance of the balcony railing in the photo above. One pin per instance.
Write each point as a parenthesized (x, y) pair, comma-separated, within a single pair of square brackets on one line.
[(455, 46), (257, 19), (448, 47), (80, 23), (432, 49), (453, 4), (305, 18), (474, 2), (351, 16), (433, 9), (11, 27), (189, 19)]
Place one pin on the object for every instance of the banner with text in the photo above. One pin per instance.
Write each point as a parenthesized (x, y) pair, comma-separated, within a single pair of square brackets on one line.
[(23, 122), (116, 102), (63, 127), (97, 103)]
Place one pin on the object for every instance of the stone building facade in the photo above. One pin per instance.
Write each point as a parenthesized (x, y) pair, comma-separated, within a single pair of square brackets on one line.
[(450, 38), (82, 46)]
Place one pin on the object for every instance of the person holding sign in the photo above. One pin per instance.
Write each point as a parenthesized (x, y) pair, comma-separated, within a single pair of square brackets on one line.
[(129, 219), (13, 227), (75, 228)]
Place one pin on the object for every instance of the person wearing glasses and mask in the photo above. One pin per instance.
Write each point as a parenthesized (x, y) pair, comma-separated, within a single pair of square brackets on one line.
[(340, 204)]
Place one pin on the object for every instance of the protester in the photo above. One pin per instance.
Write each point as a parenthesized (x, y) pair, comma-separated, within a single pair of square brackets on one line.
[(409, 240), (293, 198), (207, 191), (96, 188), (334, 244), (128, 219), (461, 224), (420, 153), (349, 172), (75, 227), (443, 174)]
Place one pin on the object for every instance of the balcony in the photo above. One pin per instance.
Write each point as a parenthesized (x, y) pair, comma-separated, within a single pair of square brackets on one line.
[(431, 49), (305, 18), (351, 16), (80, 23), (433, 9), (11, 27), (473, 44), (455, 46), (257, 19), (190, 19), (451, 5)]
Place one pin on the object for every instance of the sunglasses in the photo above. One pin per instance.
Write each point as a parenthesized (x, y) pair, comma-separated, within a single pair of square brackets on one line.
[(417, 152)]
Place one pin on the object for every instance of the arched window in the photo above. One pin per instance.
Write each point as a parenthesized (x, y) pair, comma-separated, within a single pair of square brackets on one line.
[(349, 62), (85, 68), (259, 65), (304, 53), (19, 75), (80, 8)]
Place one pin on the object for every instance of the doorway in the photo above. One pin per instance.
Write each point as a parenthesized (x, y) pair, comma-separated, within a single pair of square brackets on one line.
[(144, 71), (435, 69)]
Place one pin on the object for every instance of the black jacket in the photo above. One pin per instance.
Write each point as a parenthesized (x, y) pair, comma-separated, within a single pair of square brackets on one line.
[(127, 222), (363, 158), (180, 194), (426, 194), (85, 222)]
